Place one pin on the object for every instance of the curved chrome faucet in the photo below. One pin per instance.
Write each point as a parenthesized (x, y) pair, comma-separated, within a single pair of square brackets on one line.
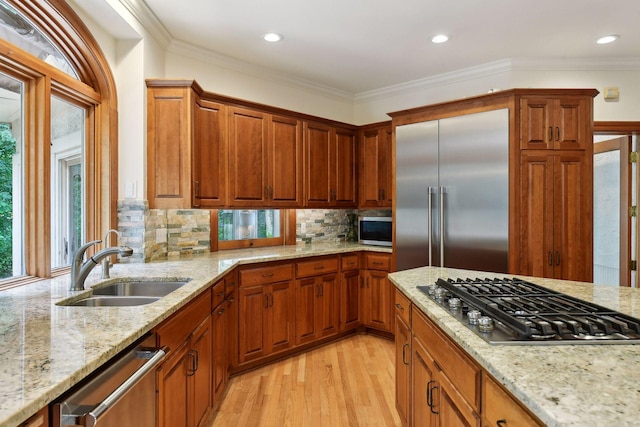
[(106, 262), (80, 270)]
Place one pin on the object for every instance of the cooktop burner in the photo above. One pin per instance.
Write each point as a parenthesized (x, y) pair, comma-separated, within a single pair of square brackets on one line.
[(514, 311)]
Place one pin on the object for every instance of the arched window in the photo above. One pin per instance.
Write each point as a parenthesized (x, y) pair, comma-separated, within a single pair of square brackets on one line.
[(58, 143)]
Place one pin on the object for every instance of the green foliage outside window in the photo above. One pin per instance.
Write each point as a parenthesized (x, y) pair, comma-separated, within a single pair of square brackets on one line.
[(7, 150)]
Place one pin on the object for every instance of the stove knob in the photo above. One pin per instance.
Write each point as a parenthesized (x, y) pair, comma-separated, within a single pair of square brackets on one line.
[(485, 324), (440, 293), (454, 303), (473, 316)]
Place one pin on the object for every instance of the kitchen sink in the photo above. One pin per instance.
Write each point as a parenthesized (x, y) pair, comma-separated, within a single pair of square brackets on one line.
[(113, 301), (146, 288)]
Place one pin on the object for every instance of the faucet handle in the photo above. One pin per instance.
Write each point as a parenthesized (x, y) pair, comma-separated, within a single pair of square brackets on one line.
[(80, 252)]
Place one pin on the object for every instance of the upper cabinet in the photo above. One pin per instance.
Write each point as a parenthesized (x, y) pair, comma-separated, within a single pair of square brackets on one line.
[(330, 159), (209, 151), (555, 122), (375, 171)]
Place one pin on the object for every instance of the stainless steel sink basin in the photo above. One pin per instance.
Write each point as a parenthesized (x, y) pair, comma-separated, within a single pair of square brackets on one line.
[(113, 301), (147, 288)]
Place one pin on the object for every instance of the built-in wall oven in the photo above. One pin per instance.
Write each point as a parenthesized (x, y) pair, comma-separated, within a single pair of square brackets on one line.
[(121, 394)]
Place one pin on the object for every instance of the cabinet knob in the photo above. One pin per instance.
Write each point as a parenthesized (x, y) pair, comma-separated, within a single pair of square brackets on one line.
[(501, 423)]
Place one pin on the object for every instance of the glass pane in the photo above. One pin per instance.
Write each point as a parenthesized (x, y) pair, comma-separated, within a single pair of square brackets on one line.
[(248, 224), (11, 206), (606, 218), (67, 177), (18, 30)]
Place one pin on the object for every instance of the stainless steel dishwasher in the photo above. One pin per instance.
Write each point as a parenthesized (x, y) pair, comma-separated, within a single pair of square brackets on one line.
[(120, 394)]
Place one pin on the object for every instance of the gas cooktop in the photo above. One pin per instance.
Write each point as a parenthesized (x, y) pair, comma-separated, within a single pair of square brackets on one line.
[(514, 311)]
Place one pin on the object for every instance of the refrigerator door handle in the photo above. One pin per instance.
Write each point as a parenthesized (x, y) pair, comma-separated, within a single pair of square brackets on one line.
[(430, 190), (443, 190)]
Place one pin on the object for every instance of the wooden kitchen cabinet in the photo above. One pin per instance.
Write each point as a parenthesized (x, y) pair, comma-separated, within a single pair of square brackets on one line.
[(499, 408), (377, 292), (317, 299), (446, 382), (220, 322), (39, 419), (375, 168), (209, 154), (267, 313), (265, 162), (555, 122), (330, 162), (184, 380), (350, 292), (556, 214), (403, 356)]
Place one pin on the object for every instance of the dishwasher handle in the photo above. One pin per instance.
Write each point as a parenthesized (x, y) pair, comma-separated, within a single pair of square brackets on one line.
[(91, 418)]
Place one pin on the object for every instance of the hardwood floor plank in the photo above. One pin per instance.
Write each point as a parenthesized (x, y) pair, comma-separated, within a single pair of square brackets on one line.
[(347, 383)]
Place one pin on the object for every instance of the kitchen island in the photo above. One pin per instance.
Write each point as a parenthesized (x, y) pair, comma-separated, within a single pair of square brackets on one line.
[(46, 348), (562, 385)]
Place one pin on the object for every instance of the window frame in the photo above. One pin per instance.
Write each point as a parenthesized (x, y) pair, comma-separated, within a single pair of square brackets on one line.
[(94, 91), (287, 233)]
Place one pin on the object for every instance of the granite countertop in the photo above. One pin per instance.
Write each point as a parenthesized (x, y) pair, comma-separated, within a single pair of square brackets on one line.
[(45, 348), (564, 385)]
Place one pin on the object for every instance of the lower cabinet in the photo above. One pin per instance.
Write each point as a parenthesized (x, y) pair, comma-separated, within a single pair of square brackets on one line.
[(350, 292), (377, 293), (500, 409), (403, 357), (184, 381), (220, 321), (265, 319)]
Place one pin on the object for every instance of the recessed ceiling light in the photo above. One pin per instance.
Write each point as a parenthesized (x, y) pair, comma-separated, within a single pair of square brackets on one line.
[(440, 38), (607, 39), (273, 37)]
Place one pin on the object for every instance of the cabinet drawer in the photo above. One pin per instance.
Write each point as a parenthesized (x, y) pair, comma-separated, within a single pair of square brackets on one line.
[(317, 267), (461, 371), (263, 275), (350, 262), (497, 404), (230, 283), (176, 329), (378, 262), (217, 294), (402, 306)]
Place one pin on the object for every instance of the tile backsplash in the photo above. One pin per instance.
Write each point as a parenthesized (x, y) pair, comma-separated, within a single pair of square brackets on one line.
[(167, 233)]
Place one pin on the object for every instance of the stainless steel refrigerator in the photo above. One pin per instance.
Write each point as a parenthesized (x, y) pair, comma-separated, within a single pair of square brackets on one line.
[(452, 190)]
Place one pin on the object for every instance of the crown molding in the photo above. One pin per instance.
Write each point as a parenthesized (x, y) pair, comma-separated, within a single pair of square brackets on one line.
[(264, 73), (576, 64), (141, 12)]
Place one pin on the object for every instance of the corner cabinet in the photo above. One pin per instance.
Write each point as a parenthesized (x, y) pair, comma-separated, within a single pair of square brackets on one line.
[(550, 171), (377, 292), (330, 162), (375, 167)]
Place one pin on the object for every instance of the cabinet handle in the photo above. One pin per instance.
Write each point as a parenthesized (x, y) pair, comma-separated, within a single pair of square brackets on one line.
[(230, 300), (377, 263), (319, 267), (404, 353), (550, 258), (220, 294), (558, 258), (221, 311), (430, 396), (550, 133), (399, 307), (268, 275), (501, 423), (557, 133), (194, 363)]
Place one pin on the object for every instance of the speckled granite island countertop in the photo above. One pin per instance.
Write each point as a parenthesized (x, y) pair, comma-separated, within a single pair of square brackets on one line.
[(45, 348), (564, 385)]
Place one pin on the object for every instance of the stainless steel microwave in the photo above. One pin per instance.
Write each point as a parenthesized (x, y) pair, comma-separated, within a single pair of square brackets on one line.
[(375, 230)]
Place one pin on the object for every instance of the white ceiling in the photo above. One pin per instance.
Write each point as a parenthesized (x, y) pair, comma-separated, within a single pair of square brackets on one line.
[(357, 46)]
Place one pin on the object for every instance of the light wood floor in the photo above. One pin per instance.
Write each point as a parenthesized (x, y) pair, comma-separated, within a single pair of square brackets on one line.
[(347, 383)]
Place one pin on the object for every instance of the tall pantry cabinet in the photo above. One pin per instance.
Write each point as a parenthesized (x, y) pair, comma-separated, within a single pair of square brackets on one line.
[(550, 175)]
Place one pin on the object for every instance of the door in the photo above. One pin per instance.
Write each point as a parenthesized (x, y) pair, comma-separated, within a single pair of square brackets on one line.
[(201, 389), (474, 191), (209, 154), (350, 303), (253, 306), (423, 412), (416, 175), (220, 350), (377, 312), (612, 196), (403, 369), (344, 168), (318, 149), (329, 305), (280, 317), (285, 162), (307, 290)]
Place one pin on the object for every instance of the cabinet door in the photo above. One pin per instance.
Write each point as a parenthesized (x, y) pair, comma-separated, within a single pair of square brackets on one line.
[(209, 154), (451, 408), (375, 168), (350, 302), (573, 217), (285, 179), (307, 291), (220, 351), (173, 389), (201, 391), (379, 304), (251, 324), (536, 215), (344, 168), (536, 123), (422, 387), (571, 121), (318, 162), (280, 317), (329, 305), (403, 369), (247, 157)]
